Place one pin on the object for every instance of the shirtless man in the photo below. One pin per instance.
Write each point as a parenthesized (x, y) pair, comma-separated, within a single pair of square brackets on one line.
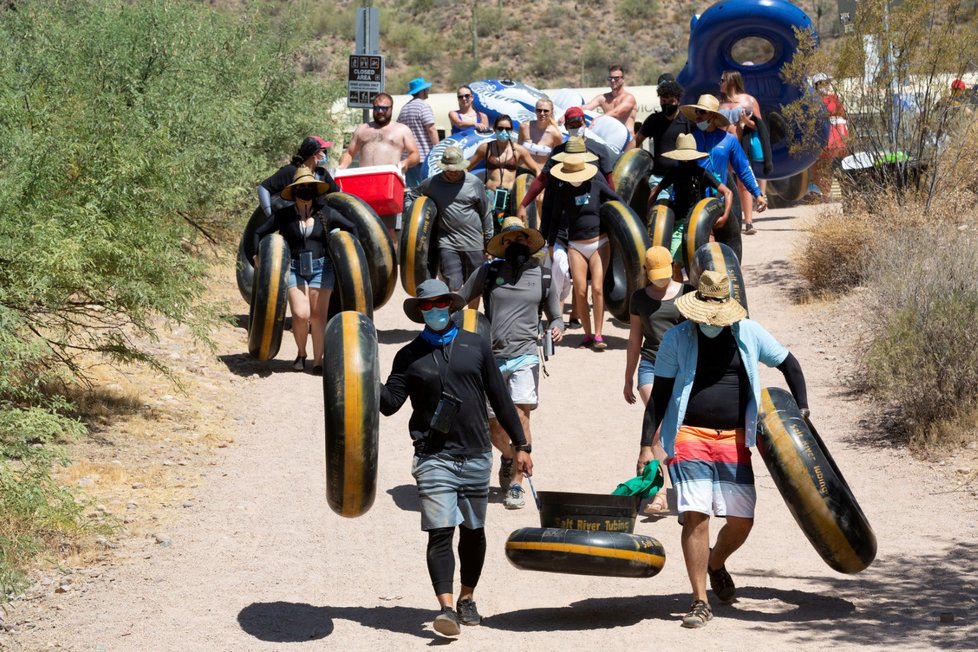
[(383, 142), (618, 103)]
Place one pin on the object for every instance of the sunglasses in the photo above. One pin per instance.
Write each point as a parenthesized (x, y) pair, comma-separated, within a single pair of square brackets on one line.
[(544, 111), (701, 112), (381, 109), (464, 96), (438, 302), (502, 130), (615, 78)]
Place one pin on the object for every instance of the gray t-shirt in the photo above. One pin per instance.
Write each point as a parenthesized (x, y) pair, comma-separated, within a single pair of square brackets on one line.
[(514, 307), (657, 316), (464, 219)]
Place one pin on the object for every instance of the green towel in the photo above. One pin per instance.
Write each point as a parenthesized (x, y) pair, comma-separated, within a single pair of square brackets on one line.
[(644, 485)]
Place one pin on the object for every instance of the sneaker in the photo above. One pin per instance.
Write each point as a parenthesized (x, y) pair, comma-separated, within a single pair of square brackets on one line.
[(749, 229), (300, 363), (699, 614), (722, 584), (514, 497), (467, 613), (446, 623), (317, 370), (598, 343), (574, 323), (505, 472)]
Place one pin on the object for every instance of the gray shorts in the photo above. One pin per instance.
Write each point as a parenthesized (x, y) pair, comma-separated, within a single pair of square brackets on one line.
[(523, 385), (456, 266), (454, 489)]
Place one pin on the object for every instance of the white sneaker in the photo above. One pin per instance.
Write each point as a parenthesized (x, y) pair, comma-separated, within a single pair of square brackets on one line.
[(514, 497)]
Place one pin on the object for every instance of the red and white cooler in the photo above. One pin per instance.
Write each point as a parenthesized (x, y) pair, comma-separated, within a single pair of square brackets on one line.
[(381, 186)]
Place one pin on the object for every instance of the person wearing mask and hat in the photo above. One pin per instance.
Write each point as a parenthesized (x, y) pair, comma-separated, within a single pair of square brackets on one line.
[(515, 290), (419, 118), (574, 122), (311, 154), (383, 142), (652, 312), (690, 184), (306, 223), (722, 148), (704, 411), (578, 193), (464, 222), (449, 374)]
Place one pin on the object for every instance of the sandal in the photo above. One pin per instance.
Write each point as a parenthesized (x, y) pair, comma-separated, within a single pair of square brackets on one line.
[(598, 343), (699, 614), (586, 342), (658, 506)]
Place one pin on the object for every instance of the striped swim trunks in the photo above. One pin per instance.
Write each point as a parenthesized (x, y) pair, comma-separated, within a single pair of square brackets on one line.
[(712, 473), (454, 489)]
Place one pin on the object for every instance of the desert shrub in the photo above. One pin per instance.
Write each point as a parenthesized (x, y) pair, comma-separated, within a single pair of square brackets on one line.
[(463, 71), (130, 132), (833, 257), (544, 58), (922, 355), (632, 10)]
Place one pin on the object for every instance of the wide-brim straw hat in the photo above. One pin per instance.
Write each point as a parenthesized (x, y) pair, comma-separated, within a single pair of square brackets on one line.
[(685, 149), (574, 169), (428, 290), (707, 103), (302, 177), (534, 239), (575, 146), (711, 303)]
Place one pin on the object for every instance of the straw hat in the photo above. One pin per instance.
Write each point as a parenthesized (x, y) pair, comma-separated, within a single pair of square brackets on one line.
[(426, 291), (534, 239), (303, 176), (575, 145), (685, 149), (711, 303), (708, 103), (658, 263), (574, 166)]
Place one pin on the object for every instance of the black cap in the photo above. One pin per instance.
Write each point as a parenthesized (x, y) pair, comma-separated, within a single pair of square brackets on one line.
[(309, 147), (665, 77)]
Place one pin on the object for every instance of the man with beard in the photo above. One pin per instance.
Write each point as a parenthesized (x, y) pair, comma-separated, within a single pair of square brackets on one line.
[(383, 142), (515, 288)]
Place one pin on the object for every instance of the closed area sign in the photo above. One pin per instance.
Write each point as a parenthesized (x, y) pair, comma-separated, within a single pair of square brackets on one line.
[(365, 80)]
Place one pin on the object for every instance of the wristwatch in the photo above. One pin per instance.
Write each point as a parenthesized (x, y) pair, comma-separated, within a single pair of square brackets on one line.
[(526, 448)]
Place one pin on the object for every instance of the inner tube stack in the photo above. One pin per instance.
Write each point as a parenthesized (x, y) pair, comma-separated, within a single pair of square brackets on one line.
[(812, 485), (375, 241), (269, 295), (662, 222), (702, 218), (244, 269), (351, 401), (718, 257), (353, 290), (520, 188), (625, 273), (631, 177), (419, 251), (585, 552)]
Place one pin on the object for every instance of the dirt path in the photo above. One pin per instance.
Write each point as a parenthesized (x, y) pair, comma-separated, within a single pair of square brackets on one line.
[(261, 563)]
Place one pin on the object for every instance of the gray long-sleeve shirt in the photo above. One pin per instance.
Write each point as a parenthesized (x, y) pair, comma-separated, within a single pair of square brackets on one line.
[(514, 307), (464, 218)]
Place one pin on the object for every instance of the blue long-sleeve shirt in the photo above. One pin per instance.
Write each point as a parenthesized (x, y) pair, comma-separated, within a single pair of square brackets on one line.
[(724, 150)]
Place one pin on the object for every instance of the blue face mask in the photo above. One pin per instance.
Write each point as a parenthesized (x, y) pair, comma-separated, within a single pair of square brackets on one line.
[(436, 319), (704, 125), (710, 331), (502, 135)]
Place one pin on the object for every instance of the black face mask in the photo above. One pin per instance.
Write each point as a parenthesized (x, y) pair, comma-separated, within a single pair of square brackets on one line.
[(517, 254), (306, 194), (669, 110)]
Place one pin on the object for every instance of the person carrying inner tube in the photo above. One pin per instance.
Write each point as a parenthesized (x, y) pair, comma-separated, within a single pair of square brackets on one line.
[(449, 374), (540, 136), (467, 116), (652, 311), (515, 290), (577, 195), (703, 411), (306, 225), (744, 114), (722, 147), (503, 158), (311, 154), (690, 184)]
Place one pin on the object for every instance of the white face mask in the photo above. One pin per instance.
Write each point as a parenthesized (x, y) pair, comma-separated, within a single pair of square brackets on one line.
[(576, 131), (710, 331), (576, 184)]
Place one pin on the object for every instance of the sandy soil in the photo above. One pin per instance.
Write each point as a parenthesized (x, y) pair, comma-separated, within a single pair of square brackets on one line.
[(255, 560)]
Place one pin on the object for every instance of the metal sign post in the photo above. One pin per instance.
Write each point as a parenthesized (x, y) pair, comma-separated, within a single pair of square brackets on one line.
[(366, 75)]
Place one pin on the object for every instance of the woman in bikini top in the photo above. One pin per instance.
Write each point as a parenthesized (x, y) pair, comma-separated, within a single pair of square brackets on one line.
[(466, 117), (540, 136), (503, 157)]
